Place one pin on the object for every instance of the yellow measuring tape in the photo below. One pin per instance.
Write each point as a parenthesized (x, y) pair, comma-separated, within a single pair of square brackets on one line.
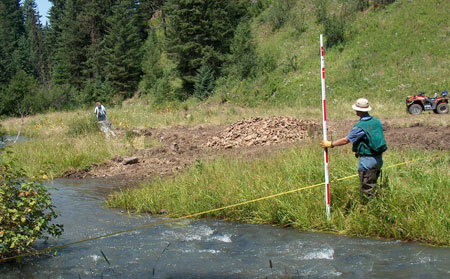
[(190, 216)]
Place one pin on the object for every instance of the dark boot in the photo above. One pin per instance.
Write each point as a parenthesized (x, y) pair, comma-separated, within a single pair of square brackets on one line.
[(368, 183)]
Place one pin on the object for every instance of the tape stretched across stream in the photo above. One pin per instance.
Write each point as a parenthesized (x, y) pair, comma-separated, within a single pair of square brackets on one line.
[(209, 248)]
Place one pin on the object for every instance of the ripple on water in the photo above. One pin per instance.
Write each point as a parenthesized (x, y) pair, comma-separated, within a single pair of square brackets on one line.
[(223, 238), (94, 257), (192, 234), (323, 254), (209, 251)]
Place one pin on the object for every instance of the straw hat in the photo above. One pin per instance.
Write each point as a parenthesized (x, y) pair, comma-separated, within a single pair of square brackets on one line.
[(362, 104)]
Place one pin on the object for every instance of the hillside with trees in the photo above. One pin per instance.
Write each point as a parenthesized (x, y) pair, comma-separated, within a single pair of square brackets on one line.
[(243, 51)]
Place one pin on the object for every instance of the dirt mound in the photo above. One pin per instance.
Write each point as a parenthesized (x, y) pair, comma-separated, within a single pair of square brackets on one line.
[(260, 131)]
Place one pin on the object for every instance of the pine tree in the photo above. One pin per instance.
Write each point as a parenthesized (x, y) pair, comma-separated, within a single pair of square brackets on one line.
[(204, 83), (243, 57), (151, 66), (34, 43), (122, 49), (53, 32), (146, 10), (21, 56), (93, 24), (17, 98), (199, 33), (69, 58), (11, 29)]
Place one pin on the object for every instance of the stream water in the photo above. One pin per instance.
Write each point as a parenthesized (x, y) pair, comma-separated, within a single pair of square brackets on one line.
[(10, 139), (209, 248)]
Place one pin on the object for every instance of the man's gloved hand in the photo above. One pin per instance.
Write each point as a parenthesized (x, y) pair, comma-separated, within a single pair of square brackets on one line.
[(326, 144)]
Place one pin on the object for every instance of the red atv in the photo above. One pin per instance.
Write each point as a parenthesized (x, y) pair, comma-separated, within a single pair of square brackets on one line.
[(438, 104)]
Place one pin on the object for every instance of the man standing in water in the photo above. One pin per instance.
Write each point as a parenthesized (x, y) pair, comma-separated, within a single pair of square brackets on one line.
[(368, 144), (100, 111), (105, 126)]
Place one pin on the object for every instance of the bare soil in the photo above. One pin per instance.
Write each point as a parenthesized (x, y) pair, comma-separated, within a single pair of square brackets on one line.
[(180, 147)]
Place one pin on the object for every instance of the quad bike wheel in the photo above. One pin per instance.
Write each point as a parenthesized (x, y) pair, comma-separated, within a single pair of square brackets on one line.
[(442, 108), (415, 109)]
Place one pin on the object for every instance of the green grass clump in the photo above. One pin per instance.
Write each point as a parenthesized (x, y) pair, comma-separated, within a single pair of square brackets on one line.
[(82, 124), (53, 156), (413, 204)]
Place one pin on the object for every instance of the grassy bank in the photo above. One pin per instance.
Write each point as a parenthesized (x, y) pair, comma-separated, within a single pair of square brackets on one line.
[(59, 142), (414, 203), (53, 156)]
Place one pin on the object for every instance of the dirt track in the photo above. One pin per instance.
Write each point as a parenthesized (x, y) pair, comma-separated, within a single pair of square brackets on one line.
[(180, 147)]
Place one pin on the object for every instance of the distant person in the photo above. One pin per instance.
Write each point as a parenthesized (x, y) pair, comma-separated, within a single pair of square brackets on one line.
[(368, 144), (100, 112), (105, 126)]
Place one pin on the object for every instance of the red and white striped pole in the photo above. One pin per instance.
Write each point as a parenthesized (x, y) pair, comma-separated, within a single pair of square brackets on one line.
[(324, 113)]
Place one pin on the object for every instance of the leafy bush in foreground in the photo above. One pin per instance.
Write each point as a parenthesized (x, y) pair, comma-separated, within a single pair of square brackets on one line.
[(25, 212)]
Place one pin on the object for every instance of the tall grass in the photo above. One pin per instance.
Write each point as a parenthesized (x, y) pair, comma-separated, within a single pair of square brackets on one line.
[(59, 142), (53, 156), (83, 125), (413, 204)]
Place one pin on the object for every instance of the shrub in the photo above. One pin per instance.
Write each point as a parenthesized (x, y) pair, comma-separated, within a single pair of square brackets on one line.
[(299, 23), (243, 59), (321, 11), (52, 97), (204, 83), (361, 5), (334, 29), (151, 62), (280, 13), (163, 92), (257, 7), (384, 2), (267, 63), (291, 65), (25, 212), (96, 90), (17, 98), (61, 97)]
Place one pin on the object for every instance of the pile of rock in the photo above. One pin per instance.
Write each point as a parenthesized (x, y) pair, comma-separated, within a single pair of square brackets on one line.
[(260, 131)]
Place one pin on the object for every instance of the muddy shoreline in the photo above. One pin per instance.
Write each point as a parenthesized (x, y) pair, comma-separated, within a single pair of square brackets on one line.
[(179, 147)]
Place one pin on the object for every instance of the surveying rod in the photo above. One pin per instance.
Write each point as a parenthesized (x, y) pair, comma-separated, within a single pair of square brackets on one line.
[(324, 113)]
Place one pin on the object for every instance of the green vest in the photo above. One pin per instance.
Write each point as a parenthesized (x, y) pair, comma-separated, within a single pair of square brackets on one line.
[(373, 144)]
